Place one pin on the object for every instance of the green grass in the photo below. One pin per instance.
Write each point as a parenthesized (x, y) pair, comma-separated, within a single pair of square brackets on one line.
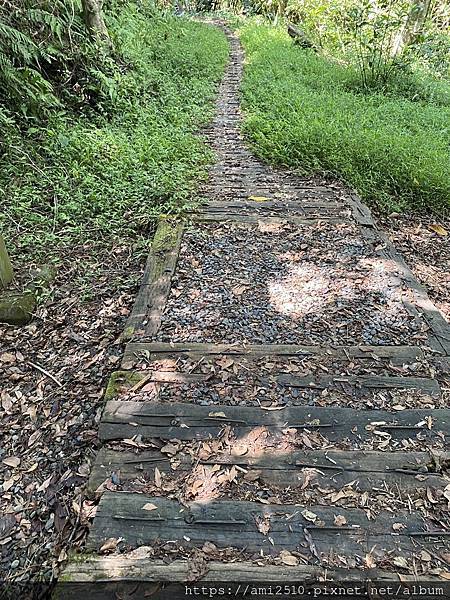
[(107, 171), (304, 111)]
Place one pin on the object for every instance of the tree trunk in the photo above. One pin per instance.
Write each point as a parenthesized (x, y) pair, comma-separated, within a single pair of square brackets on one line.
[(413, 26), (93, 17)]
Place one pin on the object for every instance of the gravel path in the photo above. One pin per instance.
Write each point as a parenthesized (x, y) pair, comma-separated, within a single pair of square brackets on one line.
[(319, 275), (317, 284)]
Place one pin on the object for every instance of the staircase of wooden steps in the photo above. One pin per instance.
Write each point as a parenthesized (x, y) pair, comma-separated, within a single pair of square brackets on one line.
[(281, 410)]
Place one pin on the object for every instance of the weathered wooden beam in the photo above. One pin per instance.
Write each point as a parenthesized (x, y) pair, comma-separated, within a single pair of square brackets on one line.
[(137, 569), (131, 381), (155, 286), (228, 523), (154, 350), (327, 469), (124, 419)]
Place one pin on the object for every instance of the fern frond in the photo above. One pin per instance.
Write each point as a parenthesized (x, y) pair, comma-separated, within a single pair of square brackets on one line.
[(18, 45)]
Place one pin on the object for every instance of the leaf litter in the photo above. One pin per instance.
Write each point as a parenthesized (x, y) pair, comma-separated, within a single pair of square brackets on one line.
[(49, 415)]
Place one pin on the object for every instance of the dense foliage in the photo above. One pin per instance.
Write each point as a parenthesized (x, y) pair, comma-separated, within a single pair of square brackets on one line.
[(366, 26), (306, 111), (46, 58), (118, 145)]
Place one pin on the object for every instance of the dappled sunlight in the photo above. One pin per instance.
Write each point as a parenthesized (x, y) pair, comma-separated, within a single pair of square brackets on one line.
[(301, 291), (281, 283), (309, 287)]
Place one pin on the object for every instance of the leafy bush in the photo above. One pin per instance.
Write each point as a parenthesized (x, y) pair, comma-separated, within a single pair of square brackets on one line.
[(434, 53), (302, 111), (107, 173)]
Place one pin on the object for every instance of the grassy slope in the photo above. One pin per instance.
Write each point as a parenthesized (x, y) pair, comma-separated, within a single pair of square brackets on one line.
[(302, 112), (83, 178)]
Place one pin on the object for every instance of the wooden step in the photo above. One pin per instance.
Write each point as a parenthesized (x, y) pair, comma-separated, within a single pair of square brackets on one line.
[(136, 379), (136, 566), (125, 419), (281, 204), (137, 574), (239, 217), (142, 520), (412, 472), (275, 209), (153, 350)]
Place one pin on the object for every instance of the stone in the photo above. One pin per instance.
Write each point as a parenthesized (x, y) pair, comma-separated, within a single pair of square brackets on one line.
[(17, 308)]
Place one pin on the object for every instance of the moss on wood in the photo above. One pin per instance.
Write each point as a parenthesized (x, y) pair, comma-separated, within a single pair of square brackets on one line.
[(166, 235), (120, 380)]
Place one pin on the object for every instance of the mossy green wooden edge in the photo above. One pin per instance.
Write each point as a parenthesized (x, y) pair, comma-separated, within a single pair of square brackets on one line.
[(6, 272), (155, 284)]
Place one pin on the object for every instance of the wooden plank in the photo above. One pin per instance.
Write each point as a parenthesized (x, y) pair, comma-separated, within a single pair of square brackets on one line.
[(426, 385), (237, 214), (132, 380), (124, 419), (129, 567), (275, 203), (6, 272), (161, 264), (153, 350), (276, 209), (361, 213), (228, 523), (240, 218), (332, 468)]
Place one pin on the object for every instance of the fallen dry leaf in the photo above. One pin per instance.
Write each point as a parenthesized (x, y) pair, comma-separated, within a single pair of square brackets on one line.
[(110, 545), (258, 198), (8, 484), (370, 561), (157, 477), (7, 358), (425, 556), (288, 559), (447, 493), (149, 506), (196, 486), (11, 461), (438, 229), (169, 449), (340, 520), (400, 561), (238, 290), (309, 516), (263, 524)]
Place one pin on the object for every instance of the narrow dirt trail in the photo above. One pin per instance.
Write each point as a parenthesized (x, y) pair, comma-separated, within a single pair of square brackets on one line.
[(280, 413)]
